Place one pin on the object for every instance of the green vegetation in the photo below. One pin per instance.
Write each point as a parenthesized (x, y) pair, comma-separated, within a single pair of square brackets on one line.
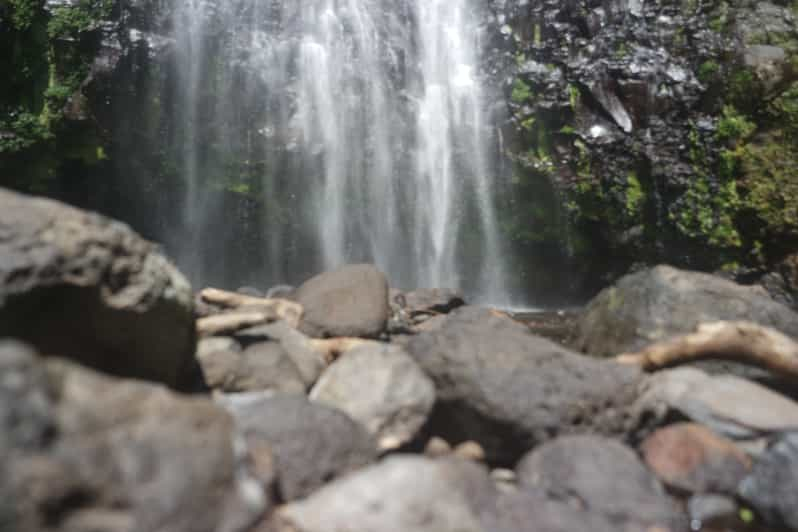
[(708, 212), (71, 20), (521, 92), (733, 127), (708, 71), (635, 197)]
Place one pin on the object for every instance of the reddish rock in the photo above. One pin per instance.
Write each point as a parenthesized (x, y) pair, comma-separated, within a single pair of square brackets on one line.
[(691, 457)]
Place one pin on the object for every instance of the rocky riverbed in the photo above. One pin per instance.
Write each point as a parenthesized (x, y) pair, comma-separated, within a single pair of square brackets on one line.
[(128, 402)]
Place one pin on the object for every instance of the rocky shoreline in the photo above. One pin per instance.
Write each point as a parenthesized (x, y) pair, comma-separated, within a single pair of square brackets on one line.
[(130, 403)]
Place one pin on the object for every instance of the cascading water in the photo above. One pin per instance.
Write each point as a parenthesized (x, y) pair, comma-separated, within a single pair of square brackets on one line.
[(366, 125)]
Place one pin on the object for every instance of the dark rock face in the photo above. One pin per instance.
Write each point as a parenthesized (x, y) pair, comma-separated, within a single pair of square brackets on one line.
[(82, 452), (652, 131), (88, 288), (663, 302), (772, 487), (509, 390), (603, 477), (352, 301), (311, 443)]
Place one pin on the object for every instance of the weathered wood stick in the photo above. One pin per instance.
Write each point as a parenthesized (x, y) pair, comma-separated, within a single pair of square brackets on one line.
[(222, 324), (288, 311), (736, 341), (332, 348)]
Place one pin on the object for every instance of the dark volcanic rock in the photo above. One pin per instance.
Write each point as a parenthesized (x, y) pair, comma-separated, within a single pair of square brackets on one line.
[(692, 458), (352, 301), (85, 452), (509, 390), (772, 487), (663, 302), (383, 389), (603, 477), (312, 443), (81, 286)]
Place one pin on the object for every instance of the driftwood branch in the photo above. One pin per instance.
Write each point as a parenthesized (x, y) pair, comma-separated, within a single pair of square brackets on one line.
[(288, 311), (332, 348), (222, 324), (736, 341)]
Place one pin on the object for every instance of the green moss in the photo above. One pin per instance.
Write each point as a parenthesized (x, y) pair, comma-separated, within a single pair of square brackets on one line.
[(708, 213), (635, 197), (720, 21), (733, 127), (521, 92), (785, 110), (769, 169), (708, 71), (538, 36), (573, 96)]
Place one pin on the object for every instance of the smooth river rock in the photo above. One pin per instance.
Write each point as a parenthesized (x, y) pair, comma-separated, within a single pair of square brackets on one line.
[(351, 301), (381, 387)]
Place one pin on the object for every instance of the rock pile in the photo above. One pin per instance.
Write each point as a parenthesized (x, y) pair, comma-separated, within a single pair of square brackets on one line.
[(427, 415)]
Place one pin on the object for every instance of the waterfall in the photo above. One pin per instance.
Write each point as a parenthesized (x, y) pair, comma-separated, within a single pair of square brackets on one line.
[(365, 126)]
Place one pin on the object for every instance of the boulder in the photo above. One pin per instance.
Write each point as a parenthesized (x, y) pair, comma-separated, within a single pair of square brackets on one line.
[(431, 301), (297, 346), (664, 302), (383, 389), (351, 301), (82, 286), (728, 405), (772, 487), (311, 443), (604, 477), (508, 390), (400, 494), (81, 452), (691, 458), (263, 366)]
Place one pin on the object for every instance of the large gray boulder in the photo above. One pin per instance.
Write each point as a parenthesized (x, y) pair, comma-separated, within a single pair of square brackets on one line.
[(383, 389), (503, 387), (83, 452), (311, 443), (84, 287), (605, 478), (351, 301), (400, 494), (663, 302)]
